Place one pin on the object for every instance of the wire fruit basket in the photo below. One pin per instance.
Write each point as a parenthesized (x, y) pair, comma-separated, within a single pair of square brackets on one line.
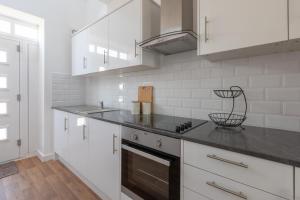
[(230, 120)]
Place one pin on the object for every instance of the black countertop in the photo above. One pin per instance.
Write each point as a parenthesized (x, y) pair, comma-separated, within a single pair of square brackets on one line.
[(271, 144), (158, 124)]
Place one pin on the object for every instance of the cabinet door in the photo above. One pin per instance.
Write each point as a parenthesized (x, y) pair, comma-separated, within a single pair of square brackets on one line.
[(297, 184), (78, 143), (234, 24), (294, 19), (124, 32), (105, 157), (79, 53), (98, 46), (61, 134)]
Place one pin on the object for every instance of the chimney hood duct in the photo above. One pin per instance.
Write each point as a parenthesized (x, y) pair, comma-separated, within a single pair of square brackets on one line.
[(178, 25)]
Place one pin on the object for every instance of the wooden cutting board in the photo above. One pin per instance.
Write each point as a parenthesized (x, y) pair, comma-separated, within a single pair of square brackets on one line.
[(145, 94)]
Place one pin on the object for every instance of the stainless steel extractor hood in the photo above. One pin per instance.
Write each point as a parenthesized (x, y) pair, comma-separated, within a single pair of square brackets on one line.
[(178, 27)]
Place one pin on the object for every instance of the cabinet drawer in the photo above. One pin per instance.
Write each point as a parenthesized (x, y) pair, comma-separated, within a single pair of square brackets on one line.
[(219, 188), (269, 176), (190, 195)]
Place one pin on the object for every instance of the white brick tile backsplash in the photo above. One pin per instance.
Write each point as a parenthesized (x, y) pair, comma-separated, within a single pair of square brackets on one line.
[(255, 120), (236, 81), (191, 103), (201, 93), (67, 90), (270, 81), (191, 84), (183, 112), (175, 102), (211, 83), (265, 107), (211, 104), (283, 94), (255, 94), (292, 108), (291, 80), (246, 70), (184, 86), (283, 122)]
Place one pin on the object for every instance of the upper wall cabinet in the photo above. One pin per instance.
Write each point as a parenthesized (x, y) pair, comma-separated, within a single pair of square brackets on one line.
[(112, 42), (294, 19), (233, 24)]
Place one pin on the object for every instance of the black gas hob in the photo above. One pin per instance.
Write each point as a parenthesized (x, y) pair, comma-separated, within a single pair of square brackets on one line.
[(171, 124)]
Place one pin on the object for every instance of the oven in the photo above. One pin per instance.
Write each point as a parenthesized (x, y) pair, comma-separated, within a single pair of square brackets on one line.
[(150, 166)]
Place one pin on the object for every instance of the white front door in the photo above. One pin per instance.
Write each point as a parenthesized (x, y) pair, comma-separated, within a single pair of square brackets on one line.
[(9, 104)]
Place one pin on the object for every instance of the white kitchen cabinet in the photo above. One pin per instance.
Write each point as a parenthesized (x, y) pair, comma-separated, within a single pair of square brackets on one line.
[(97, 39), (220, 188), (112, 42), (78, 143), (80, 49), (294, 19), (297, 183), (275, 178), (124, 33), (234, 24), (105, 157), (61, 134)]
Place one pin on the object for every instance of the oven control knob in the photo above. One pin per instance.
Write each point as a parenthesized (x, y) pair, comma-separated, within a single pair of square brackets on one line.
[(159, 144), (178, 129), (186, 125), (135, 137), (190, 124), (182, 127)]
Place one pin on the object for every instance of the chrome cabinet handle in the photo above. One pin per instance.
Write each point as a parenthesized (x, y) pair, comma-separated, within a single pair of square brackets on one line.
[(114, 144), (65, 124), (135, 50), (240, 164), (83, 132), (205, 29), (104, 57), (84, 62), (238, 194)]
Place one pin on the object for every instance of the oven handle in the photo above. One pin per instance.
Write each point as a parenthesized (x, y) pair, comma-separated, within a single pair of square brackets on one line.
[(146, 155)]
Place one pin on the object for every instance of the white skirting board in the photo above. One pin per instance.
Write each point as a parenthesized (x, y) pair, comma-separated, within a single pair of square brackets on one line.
[(45, 157)]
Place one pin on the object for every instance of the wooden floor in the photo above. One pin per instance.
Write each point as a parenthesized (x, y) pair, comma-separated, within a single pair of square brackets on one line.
[(44, 181)]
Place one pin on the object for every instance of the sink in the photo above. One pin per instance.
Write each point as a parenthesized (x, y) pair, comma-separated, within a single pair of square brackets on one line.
[(100, 110), (90, 109)]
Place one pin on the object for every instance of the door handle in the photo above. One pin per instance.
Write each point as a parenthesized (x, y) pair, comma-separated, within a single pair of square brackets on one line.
[(84, 62), (84, 132), (104, 56), (114, 144), (135, 50), (238, 194), (205, 29), (240, 164), (65, 124)]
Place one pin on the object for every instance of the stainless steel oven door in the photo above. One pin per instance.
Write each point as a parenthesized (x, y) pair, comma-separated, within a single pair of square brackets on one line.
[(146, 174)]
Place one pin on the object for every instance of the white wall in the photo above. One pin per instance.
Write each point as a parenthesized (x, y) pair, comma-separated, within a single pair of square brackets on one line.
[(61, 17), (113, 4), (185, 82)]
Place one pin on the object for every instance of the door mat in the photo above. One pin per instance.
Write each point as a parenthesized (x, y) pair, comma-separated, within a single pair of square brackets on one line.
[(8, 169)]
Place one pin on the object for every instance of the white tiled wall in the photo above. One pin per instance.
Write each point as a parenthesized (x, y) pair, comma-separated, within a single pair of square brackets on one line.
[(184, 84), (67, 90)]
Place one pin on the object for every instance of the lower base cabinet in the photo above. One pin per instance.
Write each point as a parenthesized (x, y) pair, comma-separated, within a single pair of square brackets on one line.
[(93, 149), (217, 187), (105, 157)]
